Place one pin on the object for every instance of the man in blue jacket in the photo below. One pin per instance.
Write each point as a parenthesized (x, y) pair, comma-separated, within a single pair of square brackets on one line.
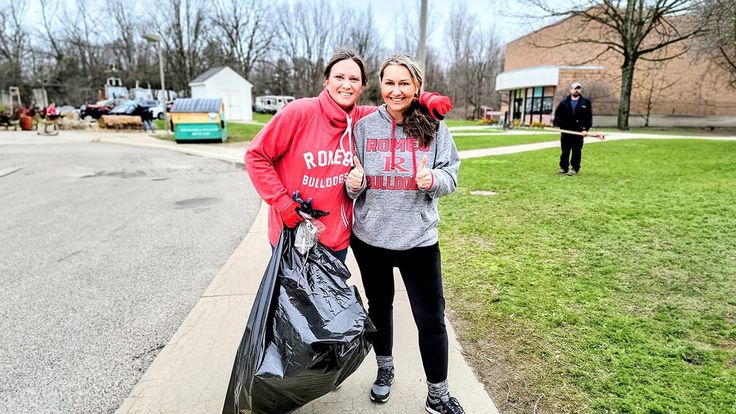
[(574, 113)]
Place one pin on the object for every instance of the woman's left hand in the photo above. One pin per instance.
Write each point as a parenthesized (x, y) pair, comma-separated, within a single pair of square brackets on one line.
[(424, 177)]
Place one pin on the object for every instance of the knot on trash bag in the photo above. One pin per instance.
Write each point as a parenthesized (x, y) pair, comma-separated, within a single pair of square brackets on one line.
[(306, 208)]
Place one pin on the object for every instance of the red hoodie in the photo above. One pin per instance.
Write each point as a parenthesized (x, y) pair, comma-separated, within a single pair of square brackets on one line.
[(307, 146)]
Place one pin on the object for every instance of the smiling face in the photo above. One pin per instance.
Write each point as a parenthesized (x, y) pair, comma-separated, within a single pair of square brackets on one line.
[(398, 89), (345, 83)]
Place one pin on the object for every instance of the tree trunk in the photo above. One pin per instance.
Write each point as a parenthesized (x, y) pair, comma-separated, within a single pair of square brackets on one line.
[(624, 104), (649, 104)]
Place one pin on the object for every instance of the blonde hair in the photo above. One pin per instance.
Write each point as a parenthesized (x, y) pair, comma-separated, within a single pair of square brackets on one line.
[(417, 122), (417, 76)]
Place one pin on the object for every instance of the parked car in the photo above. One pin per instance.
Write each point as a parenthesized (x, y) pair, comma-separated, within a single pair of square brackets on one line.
[(158, 110), (123, 109), (96, 110), (147, 103)]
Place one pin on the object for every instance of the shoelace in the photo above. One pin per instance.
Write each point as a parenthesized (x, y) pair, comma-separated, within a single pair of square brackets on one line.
[(452, 406), (384, 377)]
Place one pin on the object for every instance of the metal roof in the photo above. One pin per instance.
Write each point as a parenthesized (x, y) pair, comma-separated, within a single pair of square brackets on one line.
[(197, 105), (210, 73)]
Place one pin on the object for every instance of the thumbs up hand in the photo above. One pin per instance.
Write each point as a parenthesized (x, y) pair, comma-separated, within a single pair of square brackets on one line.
[(356, 175), (424, 177)]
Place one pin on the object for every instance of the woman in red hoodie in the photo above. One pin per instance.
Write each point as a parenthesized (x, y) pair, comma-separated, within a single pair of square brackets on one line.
[(308, 147)]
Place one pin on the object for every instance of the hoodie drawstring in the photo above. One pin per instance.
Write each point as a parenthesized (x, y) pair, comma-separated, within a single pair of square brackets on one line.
[(414, 159), (349, 133), (393, 142)]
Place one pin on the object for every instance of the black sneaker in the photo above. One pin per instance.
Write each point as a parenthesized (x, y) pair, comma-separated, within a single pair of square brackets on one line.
[(451, 406), (381, 389)]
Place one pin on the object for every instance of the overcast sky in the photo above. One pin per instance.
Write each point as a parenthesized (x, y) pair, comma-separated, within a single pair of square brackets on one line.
[(489, 12)]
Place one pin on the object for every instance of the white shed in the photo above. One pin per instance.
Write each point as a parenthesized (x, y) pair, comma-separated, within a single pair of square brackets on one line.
[(226, 84)]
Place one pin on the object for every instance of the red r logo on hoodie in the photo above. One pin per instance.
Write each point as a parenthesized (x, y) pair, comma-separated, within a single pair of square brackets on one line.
[(397, 165)]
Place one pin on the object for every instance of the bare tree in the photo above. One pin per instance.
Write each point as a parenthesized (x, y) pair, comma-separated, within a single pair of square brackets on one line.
[(126, 40), (652, 88), (14, 46), (475, 59), (719, 40), (459, 32), (71, 54), (306, 30), (485, 64), (50, 54), (246, 30), (184, 32), (634, 29), (406, 35), (70, 49), (360, 33), (49, 14), (84, 38)]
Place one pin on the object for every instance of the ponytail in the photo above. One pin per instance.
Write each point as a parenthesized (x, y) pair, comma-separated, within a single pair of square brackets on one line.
[(418, 123)]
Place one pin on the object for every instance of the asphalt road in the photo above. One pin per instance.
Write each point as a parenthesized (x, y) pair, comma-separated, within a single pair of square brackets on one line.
[(104, 249)]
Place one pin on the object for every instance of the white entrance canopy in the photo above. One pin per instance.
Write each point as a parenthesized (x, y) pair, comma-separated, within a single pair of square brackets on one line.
[(535, 76), (528, 77)]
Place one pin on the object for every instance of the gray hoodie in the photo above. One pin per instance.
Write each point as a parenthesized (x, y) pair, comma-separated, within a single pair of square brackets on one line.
[(390, 210)]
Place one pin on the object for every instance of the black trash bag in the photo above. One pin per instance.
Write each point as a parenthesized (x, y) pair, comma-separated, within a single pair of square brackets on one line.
[(305, 335)]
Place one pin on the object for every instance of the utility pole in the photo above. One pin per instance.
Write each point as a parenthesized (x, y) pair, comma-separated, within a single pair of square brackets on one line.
[(422, 52), (157, 40)]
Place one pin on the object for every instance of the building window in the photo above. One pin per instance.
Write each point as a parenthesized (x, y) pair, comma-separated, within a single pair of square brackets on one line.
[(537, 103), (547, 105), (530, 104)]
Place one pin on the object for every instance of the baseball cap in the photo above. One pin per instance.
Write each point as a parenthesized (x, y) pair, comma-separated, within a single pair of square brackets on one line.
[(576, 85)]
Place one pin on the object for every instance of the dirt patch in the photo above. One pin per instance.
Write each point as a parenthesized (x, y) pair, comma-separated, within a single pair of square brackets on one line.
[(515, 382)]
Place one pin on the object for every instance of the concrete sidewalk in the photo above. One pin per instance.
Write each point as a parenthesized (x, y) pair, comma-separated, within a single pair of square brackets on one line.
[(190, 375)]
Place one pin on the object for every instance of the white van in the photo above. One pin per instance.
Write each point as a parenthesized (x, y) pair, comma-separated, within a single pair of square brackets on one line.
[(270, 104)]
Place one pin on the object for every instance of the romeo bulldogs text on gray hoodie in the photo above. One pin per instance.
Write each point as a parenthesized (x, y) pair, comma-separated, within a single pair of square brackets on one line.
[(391, 211)]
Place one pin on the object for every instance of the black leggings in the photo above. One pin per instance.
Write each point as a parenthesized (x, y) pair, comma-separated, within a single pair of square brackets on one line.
[(422, 274)]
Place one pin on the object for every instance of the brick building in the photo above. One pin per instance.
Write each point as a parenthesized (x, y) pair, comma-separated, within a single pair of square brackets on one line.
[(688, 90)]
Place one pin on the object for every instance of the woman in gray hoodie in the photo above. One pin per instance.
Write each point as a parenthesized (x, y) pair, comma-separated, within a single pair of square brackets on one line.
[(405, 160)]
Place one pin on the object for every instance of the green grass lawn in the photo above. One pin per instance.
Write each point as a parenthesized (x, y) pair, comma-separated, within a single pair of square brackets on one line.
[(262, 118), (242, 132), (499, 140), (680, 131), (461, 122), (610, 292)]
